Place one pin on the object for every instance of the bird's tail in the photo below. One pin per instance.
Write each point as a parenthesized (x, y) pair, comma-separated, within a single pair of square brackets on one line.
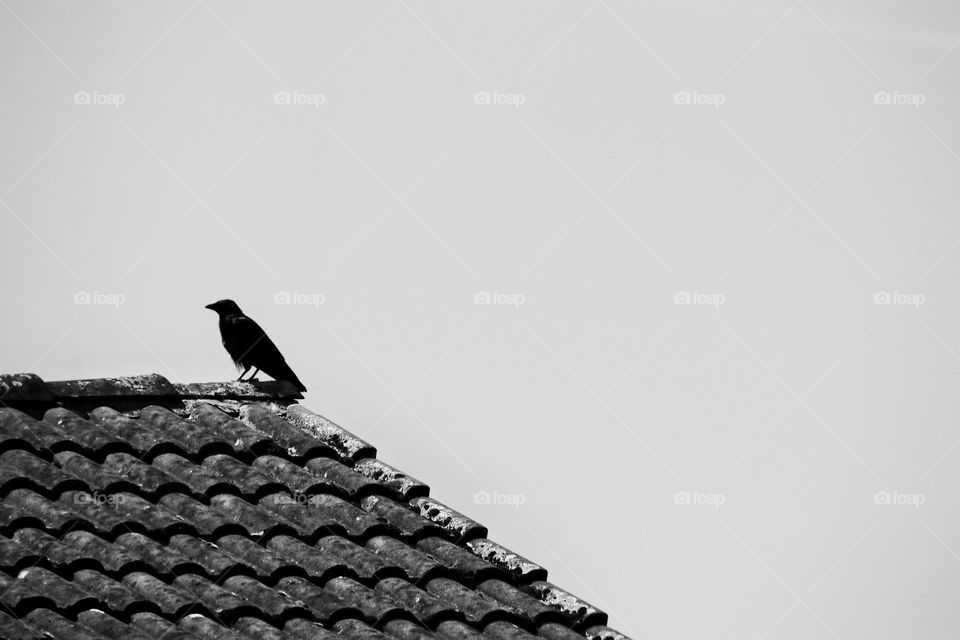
[(287, 374)]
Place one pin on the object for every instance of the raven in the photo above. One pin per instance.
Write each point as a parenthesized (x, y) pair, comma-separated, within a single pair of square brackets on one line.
[(249, 346)]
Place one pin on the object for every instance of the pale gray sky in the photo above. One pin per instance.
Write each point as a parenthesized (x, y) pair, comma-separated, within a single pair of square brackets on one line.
[(588, 162)]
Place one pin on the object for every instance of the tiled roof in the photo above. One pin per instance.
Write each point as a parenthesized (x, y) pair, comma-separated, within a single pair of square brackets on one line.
[(137, 508)]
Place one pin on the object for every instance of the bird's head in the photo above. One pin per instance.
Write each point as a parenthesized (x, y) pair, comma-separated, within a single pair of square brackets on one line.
[(224, 308)]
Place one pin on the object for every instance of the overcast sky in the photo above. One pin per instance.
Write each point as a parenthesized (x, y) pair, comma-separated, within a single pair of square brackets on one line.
[(663, 294)]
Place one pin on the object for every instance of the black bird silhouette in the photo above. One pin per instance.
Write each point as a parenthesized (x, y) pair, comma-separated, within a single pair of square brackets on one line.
[(249, 346)]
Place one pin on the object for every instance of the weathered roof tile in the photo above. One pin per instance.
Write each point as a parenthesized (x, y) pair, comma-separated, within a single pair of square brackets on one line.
[(458, 525), (418, 566), (406, 485), (518, 566), (336, 437), (402, 518), (581, 614)]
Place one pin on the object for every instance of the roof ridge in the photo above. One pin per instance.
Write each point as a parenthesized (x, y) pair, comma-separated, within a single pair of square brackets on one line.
[(31, 394)]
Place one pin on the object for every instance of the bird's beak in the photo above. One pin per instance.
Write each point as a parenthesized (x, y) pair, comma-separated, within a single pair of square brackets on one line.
[(210, 306)]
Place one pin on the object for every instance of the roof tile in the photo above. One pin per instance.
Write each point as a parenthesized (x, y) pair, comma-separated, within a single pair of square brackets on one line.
[(251, 482), (319, 515), (602, 632), (199, 479), (118, 598), (112, 514), (418, 566), (367, 566), (156, 627), (518, 566), (106, 626), (56, 626), (256, 628), (427, 608), (66, 426), (203, 627), (241, 437), (96, 477), (523, 604), (20, 431), (325, 606), (196, 440), (377, 608), (265, 562), (406, 630), (478, 609), (457, 631), (66, 595), (149, 480), (26, 508), (15, 556), (580, 613), (278, 606), (457, 524), (221, 603), (298, 445), (302, 629), (346, 481), (102, 555), (210, 557), (49, 551), (408, 522), (173, 601), (336, 437), (320, 567), (162, 559), (506, 631), (406, 485), (141, 437), (358, 630), (21, 469), (463, 565)]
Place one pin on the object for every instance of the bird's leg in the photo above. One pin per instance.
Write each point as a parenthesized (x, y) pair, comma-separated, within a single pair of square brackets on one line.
[(240, 379), (252, 378)]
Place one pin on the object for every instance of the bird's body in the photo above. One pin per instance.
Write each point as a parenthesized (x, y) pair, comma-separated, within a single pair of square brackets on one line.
[(249, 346)]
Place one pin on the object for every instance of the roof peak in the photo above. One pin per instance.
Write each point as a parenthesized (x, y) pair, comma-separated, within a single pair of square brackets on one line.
[(30, 393)]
